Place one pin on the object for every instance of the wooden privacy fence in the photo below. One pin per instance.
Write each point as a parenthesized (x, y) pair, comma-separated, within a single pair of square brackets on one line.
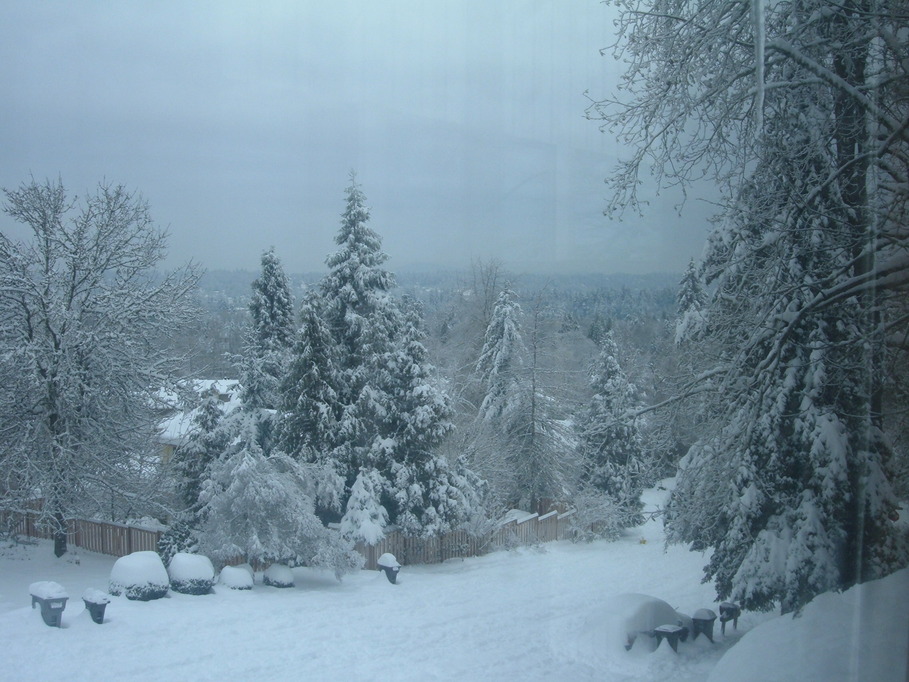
[(116, 539), (459, 544), (119, 540)]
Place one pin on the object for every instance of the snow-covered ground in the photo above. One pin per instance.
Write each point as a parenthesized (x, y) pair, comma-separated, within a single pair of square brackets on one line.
[(531, 614)]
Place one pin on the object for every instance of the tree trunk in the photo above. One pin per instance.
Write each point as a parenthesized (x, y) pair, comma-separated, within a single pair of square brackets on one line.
[(59, 534)]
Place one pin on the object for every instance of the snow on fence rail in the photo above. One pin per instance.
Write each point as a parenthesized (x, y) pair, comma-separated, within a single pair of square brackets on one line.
[(118, 539)]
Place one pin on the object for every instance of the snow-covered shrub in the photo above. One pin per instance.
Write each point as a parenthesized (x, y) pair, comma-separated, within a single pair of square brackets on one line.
[(597, 515), (278, 575), (261, 504), (236, 578), (140, 576), (366, 518), (191, 573)]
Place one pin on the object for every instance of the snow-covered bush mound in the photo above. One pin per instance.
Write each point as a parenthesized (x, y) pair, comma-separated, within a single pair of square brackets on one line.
[(628, 618), (859, 634), (140, 576), (191, 573), (236, 578), (47, 589), (278, 575)]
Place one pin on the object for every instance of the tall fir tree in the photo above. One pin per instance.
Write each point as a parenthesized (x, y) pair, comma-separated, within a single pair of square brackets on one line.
[(809, 97), (612, 447), (361, 395), (363, 320), (796, 466), (270, 335), (426, 499), (311, 391), (500, 366)]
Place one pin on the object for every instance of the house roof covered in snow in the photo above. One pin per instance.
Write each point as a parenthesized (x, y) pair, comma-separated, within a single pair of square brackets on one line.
[(186, 404)]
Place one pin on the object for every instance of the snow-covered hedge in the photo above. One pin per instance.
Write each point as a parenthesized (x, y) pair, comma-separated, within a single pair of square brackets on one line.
[(278, 575), (236, 578), (140, 576), (191, 573)]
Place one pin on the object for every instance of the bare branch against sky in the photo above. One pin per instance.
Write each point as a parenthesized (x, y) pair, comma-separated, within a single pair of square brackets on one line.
[(240, 121)]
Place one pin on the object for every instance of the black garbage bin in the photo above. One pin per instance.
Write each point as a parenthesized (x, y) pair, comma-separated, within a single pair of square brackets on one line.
[(390, 566), (52, 598), (729, 611), (95, 603), (702, 622), (672, 634)]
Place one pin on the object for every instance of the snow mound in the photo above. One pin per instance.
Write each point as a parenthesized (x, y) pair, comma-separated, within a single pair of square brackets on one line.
[(388, 561), (859, 634), (627, 619), (47, 589), (94, 596), (191, 573), (140, 576), (278, 575), (236, 578)]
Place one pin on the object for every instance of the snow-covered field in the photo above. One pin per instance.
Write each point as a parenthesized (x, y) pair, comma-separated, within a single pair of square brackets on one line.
[(530, 614)]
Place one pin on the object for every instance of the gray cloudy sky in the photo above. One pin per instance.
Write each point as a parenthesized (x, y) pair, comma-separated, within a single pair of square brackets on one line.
[(239, 122)]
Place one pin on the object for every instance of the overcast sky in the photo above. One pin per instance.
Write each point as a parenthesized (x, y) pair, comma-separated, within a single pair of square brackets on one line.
[(240, 121)]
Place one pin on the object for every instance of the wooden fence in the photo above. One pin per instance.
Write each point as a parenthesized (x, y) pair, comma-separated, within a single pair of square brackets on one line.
[(116, 539), (458, 544), (119, 540)]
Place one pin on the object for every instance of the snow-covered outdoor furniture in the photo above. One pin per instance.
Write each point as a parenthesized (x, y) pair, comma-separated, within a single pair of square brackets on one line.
[(191, 573), (702, 622), (140, 576), (633, 615), (729, 611), (52, 598), (236, 578), (671, 633), (390, 566), (278, 575), (95, 603)]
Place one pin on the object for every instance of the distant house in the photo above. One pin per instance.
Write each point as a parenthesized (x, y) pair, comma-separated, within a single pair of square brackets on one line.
[(182, 406)]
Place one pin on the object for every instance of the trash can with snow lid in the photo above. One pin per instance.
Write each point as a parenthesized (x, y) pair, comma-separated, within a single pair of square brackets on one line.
[(96, 602), (390, 565), (52, 598), (702, 622)]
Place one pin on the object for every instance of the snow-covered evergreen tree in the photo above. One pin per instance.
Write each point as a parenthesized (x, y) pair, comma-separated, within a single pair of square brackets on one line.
[(499, 368), (428, 497), (206, 442), (798, 467), (361, 395), (611, 445), (363, 321), (526, 454), (691, 299), (311, 391), (789, 482), (84, 320), (270, 335)]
